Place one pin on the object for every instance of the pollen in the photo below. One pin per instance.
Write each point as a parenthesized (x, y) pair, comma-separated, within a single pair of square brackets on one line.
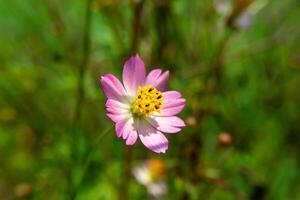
[(147, 101)]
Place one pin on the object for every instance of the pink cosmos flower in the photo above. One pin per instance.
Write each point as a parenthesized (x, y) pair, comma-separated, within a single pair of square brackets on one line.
[(140, 107)]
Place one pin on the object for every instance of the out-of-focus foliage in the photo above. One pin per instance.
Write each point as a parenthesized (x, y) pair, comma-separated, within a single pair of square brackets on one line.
[(236, 62)]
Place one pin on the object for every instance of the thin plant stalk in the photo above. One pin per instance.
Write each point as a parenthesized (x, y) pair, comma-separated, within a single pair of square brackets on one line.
[(75, 126), (89, 157)]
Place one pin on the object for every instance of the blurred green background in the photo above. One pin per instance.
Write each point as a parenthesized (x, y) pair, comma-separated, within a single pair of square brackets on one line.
[(236, 62)]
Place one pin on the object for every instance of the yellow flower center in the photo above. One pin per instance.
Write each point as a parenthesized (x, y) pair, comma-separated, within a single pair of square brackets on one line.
[(147, 101)]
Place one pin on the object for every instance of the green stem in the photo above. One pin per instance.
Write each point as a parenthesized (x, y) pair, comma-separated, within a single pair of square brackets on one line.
[(89, 158), (76, 122)]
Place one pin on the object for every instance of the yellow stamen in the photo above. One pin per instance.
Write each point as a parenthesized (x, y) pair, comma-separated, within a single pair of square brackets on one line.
[(147, 101)]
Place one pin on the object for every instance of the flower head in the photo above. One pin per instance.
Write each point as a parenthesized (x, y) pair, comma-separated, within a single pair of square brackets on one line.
[(140, 107), (151, 174)]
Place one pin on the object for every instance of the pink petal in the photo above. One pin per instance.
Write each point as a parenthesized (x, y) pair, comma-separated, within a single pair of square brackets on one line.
[(127, 130), (157, 80), (112, 87), (162, 82), (172, 104), (134, 74), (151, 137), (119, 127), (152, 76), (114, 103), (171, 95), (117, 117), (132, 137), (171, 111), (116, 107), (167, 103), (116, 111), (167, 124)]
